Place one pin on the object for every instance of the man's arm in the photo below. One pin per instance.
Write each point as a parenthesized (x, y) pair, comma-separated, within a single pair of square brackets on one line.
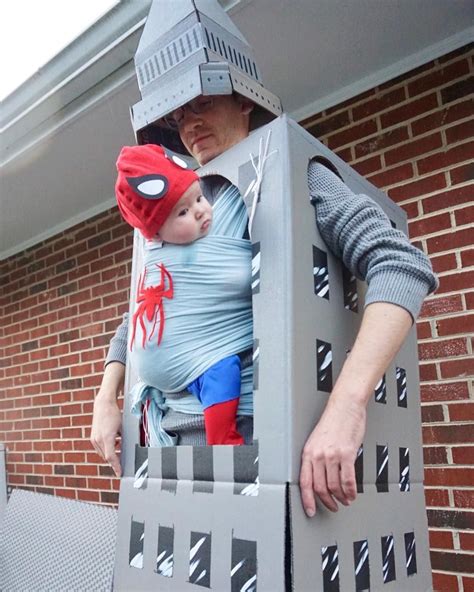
[(327, 467), (107, 417), (399, 276)]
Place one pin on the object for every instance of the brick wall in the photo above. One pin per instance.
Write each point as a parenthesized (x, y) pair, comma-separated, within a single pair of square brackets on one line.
[(413, 137), (62, 300)]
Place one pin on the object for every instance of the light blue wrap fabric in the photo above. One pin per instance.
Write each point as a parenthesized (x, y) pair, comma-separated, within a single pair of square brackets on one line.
[(208, 318)]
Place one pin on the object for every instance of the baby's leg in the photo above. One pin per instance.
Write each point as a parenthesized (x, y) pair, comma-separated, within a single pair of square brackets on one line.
[(221, 424), (218, 389)]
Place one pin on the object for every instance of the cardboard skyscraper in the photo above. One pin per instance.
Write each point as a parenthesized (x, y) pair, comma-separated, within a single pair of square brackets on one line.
[(230, 518)]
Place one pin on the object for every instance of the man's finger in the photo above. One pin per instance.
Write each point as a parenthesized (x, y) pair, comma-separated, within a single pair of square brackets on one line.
[(320, 486), (306, 488), (111, 456), (333, 477), (114, 462), (97, 447), (348, 480)]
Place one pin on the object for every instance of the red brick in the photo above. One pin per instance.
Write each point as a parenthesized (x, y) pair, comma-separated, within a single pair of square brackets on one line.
[(440, 539), (89, 470), (447, 262), (455, 325), (445, 583), (448, 114), (435, 455), (463, 498), (379, 103), (467, 584), (461, 412), (345, 154), (463, 455), (418, 188), (429, 225), (442, 349), (434, 306), (447, 199), (444, 159), (423, 330), (368, 165), (455, 282), (457, 133), (462, 174), (88, 496), (428, 372), (457, 368), (439, 77), (466, 540), (382, 141), (409, 110), (449, 477), (467, 258), (60, 422), (465, 215), (448, 434), (391, 176), (350, 134), (431, 413), (469, 300), (410, 150), (69, 493), (452, 240), (99, 483), (458, 562)]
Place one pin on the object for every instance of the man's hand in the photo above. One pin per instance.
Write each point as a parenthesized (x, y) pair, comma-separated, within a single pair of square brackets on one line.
[(107, 418), (327, 464), (327, 467)]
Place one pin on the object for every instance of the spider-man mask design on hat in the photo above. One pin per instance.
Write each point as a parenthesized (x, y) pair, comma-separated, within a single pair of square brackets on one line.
[(151, 180)]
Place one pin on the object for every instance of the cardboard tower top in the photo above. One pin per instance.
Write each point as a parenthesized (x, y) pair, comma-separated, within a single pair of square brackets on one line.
[(187, 49)]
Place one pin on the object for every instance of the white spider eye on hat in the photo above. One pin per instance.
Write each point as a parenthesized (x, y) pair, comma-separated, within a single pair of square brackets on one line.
[(188, 49)]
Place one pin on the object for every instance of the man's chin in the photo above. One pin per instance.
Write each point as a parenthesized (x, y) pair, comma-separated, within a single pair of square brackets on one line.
[(206, 155)]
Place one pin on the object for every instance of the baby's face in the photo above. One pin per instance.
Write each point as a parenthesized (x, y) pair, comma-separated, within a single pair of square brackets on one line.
[(190, 219)]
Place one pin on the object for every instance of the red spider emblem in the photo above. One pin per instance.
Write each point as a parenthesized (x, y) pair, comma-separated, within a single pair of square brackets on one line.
[(150, 302)]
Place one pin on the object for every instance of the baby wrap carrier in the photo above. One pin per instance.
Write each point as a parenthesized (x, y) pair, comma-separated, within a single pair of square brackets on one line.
[(208, 318)]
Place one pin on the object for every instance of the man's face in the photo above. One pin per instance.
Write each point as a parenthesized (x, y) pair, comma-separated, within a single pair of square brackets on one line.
[(208, 134), (189, 220)]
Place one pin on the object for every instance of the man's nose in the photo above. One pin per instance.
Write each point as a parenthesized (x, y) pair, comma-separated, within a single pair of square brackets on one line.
[(190, 121)]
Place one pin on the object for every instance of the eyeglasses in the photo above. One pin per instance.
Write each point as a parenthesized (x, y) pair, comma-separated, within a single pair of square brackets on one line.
[(198, 105)]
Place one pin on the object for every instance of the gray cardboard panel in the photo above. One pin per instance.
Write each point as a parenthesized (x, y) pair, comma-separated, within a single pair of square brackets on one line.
[(290, 318), (237, 525), (246, 502), (348, 529)]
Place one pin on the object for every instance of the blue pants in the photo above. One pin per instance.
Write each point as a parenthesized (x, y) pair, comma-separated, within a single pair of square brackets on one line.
[(218, 384)]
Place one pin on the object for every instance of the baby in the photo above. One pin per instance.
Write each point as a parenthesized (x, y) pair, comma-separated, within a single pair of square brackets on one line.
[(159, 196)]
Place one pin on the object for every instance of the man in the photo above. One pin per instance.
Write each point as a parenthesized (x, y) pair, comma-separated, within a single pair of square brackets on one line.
[(207, 129)]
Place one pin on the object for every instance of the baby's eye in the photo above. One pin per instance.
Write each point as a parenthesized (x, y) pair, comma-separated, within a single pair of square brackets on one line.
[(183, 212), (199, 198)]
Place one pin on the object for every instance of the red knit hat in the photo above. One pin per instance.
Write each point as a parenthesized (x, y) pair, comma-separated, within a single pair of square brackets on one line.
[(150, 182)]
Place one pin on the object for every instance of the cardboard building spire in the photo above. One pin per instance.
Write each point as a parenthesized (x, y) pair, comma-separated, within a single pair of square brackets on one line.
[(191, 48)]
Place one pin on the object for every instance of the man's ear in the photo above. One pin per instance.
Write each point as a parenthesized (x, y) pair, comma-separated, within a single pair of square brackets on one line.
[(246, 105)]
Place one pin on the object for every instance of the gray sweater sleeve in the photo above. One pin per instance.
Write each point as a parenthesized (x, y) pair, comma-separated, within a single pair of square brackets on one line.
[(118, 344), (357, 231)]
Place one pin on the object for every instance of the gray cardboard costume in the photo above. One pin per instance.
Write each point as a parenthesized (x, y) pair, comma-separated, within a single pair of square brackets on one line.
[(230, 518)]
